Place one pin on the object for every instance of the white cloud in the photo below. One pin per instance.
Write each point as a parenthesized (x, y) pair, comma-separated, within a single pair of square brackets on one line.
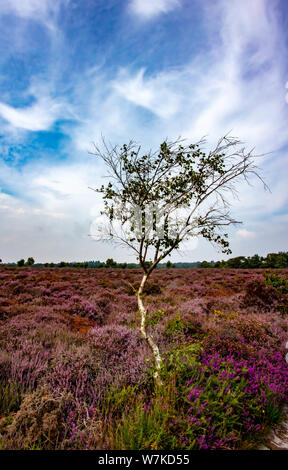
[(37, 117), (26, 8), (35, 9), (52, 222), (13, 208), (246, 75), (246, 234), (223, 89), (147, 9), (156, 93), (44, 111)]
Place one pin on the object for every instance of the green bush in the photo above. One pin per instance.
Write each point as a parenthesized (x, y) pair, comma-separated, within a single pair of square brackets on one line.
[(155, 317), (280, 284), (10, 397)]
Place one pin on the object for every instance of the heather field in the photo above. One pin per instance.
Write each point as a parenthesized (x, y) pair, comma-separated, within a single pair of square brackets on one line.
[(76, 374)]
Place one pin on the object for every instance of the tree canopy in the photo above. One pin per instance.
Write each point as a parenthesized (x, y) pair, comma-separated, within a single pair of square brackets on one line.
[(156, 200)]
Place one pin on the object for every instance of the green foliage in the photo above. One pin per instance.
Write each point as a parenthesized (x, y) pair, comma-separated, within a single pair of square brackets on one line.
[(238, 262), (147, 264), (205, 264), (155, 317), (277, 260), (34, 446), (182, 361), (10, 397), (110, 263), (30, 261), (272, 260), (169, 264), (144, 421), (176, 176), (117, 400), (122, 265), (280, 284), (272, 412), (175, 325)]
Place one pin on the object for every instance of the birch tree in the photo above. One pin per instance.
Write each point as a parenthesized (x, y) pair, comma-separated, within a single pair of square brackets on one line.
[(156, 200)]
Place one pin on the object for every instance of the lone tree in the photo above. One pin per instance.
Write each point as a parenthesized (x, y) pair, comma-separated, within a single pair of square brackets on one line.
[(110, 263), (155, 201)]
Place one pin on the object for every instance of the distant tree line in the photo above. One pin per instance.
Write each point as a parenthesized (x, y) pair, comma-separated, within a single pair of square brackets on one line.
[(272, 260)]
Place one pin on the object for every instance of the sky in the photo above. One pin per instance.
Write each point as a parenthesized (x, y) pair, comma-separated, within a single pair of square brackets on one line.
[(73, 70)]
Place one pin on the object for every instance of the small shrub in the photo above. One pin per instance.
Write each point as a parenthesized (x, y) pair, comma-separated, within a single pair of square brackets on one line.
[(152, 288), (39, 420), (183, 360), (143, 421), (10, 397), (280, 284), (178, 325), (155, 317), (260, 295)]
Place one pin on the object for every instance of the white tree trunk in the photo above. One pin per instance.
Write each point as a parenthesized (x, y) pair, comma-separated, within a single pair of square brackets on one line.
[(149, 338)]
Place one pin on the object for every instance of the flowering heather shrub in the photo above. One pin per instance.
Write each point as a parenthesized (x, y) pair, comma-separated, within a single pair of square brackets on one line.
[(225, 401), (115, 355), (236, 398), (90, 370), (47, 421), (76, 305), (122, 311), (260, 295), (122, 352), (69, 340)]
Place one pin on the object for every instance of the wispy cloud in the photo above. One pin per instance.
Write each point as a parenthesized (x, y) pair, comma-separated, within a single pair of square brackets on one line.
[(157, 94), (37, 117), (27, 8), (150, 8), (54, 216), (37, 10), (238, 84)]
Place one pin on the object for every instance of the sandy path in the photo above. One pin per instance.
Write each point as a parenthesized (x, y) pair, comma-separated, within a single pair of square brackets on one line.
[(277, 438)]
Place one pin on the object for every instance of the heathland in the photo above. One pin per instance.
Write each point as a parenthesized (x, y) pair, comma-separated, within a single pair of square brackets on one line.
[(75, 372)]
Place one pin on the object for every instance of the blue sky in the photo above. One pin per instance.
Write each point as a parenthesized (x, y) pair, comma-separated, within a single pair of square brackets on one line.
[(71, 70)]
